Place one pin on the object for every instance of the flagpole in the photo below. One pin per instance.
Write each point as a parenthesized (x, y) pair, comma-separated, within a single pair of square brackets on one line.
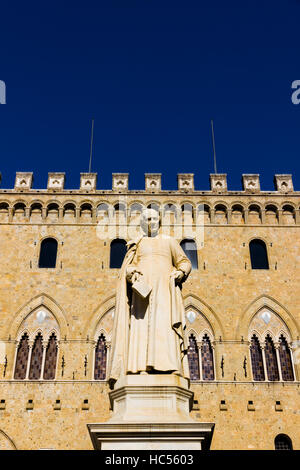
[(91, 149), (214, 148)]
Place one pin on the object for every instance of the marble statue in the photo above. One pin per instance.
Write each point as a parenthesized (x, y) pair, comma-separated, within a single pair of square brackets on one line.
[(149, 321)]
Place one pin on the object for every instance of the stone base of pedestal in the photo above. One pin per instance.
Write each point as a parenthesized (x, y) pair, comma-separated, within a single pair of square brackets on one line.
[(151, 412)]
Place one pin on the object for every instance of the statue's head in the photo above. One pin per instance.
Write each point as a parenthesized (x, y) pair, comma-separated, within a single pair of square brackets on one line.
[(150, 222)]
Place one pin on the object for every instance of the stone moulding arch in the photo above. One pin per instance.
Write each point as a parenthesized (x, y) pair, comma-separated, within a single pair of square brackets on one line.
[(6, 201), (53, 201), (20, 201), (191, 301), (284, 334), (237, 203), (193, 332), (255, 203), (11, 442), (220, 203), (257, 335), (36, 201), (69, 201), (265, 301), (270, 204), (97, 315), (288, 203), (86, 201), (103, 332), (38, 301)]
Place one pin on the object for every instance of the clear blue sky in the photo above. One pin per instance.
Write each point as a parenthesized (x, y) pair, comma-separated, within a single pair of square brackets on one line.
[(152, 74)]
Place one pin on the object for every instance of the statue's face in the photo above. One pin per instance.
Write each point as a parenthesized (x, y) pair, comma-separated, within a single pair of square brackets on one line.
[(150, 222)]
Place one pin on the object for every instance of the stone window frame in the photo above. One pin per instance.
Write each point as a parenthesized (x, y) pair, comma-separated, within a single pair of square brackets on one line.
[(101, 331), (31, 339), (199, 340), (275, 338), (262, 239), (58, 252)]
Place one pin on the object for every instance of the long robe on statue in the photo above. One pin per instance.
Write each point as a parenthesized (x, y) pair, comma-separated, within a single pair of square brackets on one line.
[(149, 333)]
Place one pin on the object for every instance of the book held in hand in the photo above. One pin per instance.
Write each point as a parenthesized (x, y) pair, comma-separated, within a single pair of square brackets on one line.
[(141, 288)]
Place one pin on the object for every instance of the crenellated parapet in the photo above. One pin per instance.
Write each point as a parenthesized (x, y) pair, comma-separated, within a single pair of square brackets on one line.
[(283, 184)]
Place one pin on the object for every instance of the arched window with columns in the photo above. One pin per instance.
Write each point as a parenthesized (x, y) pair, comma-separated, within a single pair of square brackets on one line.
[(22, 358), (271, 360), (100, 358), (51, 358), (286, 365), (36, 358), (207, 359), (37, 349), (256, 359), (200, 352), (193, 358), (270, 347)]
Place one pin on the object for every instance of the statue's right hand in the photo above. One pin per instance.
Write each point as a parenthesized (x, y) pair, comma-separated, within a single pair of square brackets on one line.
[(132, 274)]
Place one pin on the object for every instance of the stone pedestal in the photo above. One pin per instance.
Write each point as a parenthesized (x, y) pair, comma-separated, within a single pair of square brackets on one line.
[(151, 412)]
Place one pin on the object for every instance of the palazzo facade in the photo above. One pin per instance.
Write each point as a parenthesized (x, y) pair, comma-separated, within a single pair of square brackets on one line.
[(60, 254)]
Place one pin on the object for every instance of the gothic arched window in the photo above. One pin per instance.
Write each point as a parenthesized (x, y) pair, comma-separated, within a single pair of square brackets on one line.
[(100, 359), (22, 358), (36, 358), (190, 249), (258, 254), (48, 253), (50, 359), (257, 360), (285, 360), (283, 442), (117, 253), (207, 359), (193, 358), (271, 360)]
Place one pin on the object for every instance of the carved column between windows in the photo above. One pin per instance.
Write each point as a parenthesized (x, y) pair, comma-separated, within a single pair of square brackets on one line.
[(199, 346), (44, 213), (108, 353), (276, 346), (27, 214), (45, 343), (77, 214), (295, 375), (246, 216), (10, 214), (212, 216), (264, 362), (229, 216), (94, 215), (60, 214), (30, 344), (280, 220), (263, 216)]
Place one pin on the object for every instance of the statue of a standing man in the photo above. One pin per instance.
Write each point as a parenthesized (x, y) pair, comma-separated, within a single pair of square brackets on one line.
[(149, 331)]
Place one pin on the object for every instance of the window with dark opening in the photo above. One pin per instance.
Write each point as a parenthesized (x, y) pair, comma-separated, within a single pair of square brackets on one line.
[(190, 249), (283, 442), (48, 253), (117, 253), (258, 254)]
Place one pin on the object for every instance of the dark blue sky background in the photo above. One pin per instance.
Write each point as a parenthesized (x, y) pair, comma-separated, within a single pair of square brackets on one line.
[(152, 74)]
